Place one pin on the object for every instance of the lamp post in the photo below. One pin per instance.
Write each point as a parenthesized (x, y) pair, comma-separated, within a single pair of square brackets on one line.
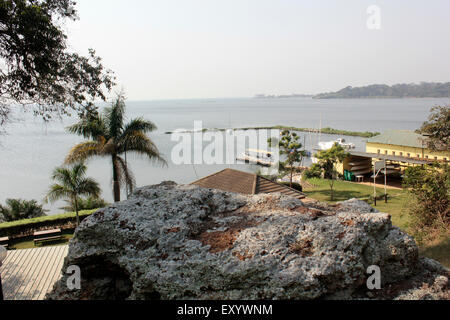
[(3, 253)]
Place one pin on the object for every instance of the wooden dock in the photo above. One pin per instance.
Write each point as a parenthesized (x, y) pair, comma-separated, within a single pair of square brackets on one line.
[(30, 274)]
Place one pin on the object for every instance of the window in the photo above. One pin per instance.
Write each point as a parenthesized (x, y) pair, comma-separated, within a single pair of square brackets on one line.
[(418, 156), (426, 157), (393, 153), (401, 154), (379, 151), (445, 159), (409, 155), (435, 159), (385, 152)]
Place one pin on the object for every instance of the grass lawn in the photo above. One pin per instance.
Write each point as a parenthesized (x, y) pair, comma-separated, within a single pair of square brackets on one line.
[(28, 243), (397, 207)]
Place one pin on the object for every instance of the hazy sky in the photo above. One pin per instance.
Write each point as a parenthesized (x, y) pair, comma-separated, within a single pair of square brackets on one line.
[(237, 48)]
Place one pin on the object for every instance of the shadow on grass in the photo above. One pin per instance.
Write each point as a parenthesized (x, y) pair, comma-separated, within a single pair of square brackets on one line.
[(439, 252), (339, 195)]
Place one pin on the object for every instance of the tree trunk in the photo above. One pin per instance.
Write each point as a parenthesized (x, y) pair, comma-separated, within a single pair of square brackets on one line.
[(292, 173), (116, 184), (76, 210), (332, 189)]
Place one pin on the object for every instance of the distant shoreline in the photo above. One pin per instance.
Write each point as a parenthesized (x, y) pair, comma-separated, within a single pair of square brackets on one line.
[(326, 130), (378, 91)]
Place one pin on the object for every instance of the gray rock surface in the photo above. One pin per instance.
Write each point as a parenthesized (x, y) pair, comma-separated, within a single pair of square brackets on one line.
[(356, 205), (185, 242)]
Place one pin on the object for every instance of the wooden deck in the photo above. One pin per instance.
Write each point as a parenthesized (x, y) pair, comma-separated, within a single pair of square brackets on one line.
[(30, 274)]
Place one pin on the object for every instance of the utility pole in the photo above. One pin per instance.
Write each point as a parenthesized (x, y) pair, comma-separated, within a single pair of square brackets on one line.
[(377, 167), (375, 185), (385, 183)]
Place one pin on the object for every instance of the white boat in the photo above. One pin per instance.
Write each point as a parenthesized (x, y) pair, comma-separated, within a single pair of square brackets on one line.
[(362, 171), (360, 163), (259, 157), (361, 167), (341, 141), (329, 144)]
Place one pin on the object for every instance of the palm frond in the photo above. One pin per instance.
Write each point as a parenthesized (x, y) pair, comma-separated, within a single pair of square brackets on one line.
[(137, 125), (139, 143), (58, 192), (63, 176), (89, 129), (89, 187), (85, 150), (115, 116), (77, 173)]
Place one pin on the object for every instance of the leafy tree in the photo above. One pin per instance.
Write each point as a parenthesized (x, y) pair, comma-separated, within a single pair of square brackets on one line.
[(37, 70), (18, 209), (315, 171), (328, 160), (437, 128), (88, 203), (111, 137), (71, 183), (290, 148), (430, 187)]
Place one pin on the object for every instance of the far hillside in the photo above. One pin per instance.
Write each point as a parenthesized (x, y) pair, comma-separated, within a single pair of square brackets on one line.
[(422, 90)]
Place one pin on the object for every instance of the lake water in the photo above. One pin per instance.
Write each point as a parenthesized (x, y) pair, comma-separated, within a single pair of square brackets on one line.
[(31, 149)]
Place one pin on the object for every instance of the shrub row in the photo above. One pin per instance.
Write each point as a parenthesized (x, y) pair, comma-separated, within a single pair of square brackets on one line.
[(27, 227)]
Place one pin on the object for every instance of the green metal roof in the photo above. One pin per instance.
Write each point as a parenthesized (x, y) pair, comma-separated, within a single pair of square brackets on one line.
[(400, 138)]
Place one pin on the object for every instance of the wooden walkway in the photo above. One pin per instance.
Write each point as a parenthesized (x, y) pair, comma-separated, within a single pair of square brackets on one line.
[(30, 274)]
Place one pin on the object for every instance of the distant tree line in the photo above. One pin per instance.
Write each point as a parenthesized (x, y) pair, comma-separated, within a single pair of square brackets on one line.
[(421, 90)]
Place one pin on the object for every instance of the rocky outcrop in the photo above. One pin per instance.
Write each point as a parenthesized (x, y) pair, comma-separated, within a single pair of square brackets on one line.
[(185, 242)]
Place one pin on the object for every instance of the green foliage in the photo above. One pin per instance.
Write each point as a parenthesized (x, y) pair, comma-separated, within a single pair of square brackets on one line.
[(88, 203), (430, 187), (27, 226), (315, 171), (437, 128), (290, 150), (71, 184), (38, 71), (328, 160), (295, 185), (109, 136), (18, 209), (422, 90)]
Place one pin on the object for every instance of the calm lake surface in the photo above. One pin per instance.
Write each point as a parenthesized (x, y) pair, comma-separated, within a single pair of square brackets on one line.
[(31, 149)]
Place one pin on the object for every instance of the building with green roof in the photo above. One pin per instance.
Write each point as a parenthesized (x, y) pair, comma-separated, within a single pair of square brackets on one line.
[(404, 143)]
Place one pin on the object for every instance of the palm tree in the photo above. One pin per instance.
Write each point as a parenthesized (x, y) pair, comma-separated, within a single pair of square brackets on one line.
[(71, 184), (110, 137), (88, 203), (19, 209)]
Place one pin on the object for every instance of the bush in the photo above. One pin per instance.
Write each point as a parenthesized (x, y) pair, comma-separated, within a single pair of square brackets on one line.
[(315, 171), (26, 227), (19, 209), (89, 203), (430, 187), (295, 185)]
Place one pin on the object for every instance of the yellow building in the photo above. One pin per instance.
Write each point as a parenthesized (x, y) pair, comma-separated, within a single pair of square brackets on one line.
[(406, 144), (398, 148)]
